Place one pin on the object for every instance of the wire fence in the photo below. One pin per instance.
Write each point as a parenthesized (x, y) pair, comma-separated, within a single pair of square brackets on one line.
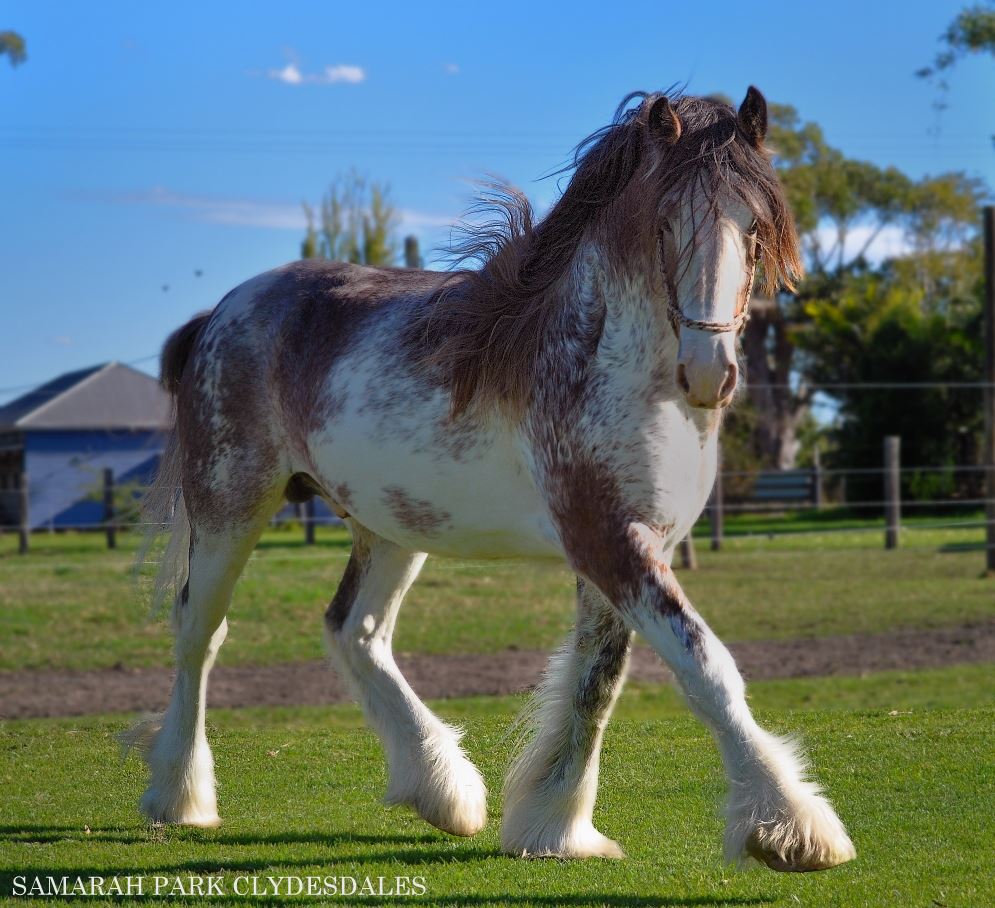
[(802, 511)]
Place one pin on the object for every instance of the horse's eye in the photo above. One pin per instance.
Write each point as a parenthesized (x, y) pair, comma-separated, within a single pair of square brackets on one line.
[(754, 227), (667, 228)]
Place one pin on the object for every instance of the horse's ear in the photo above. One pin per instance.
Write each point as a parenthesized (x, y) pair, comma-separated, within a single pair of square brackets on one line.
[(663, 121), (753, 117)]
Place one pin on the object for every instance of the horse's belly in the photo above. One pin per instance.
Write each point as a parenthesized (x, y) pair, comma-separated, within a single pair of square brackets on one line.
[(481, 504)]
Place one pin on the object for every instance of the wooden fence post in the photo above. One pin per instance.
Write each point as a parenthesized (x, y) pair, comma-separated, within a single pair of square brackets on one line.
[(309, 522), (716, 512), (109, 527), (23, 524), (412, 257), (892, 490), (817, 489), (990, 388), (689, 559)]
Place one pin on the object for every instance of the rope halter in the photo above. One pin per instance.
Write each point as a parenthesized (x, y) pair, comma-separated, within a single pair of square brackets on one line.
[(678, 318)]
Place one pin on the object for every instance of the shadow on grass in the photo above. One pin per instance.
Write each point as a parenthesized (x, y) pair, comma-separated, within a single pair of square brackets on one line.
[(182, 871), (954, 547), (141, 835), (413, 850), (278, 866)]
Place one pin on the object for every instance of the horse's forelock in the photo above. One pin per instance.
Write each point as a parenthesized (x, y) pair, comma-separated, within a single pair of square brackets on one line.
[(714, 152)]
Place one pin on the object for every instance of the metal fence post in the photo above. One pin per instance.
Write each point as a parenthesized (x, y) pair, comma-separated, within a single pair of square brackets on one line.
[(309, 522), (990, 388), (717, 511), (23, 524), (892, 490), (110, 529), (412, 257)]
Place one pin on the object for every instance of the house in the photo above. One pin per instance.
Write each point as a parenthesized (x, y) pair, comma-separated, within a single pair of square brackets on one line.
[(65, 433)]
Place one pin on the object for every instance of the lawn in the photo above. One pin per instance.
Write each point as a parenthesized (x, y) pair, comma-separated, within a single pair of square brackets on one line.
[(70, 603), (912, 777)]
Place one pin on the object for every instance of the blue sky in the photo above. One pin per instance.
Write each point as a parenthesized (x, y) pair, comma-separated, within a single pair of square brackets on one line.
[(142, 142)]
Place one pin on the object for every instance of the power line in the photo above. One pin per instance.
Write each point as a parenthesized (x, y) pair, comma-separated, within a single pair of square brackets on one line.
[(892, 139)]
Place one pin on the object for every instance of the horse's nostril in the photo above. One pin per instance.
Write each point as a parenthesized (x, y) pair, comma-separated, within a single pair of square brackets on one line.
[(682, 380), (729, 385)]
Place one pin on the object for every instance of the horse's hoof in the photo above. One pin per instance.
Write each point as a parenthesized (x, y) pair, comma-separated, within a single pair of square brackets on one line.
[(802, 857), (160, 811), (444, 788)]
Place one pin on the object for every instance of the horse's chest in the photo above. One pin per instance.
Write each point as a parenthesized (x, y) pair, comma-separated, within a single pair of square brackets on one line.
[(663, 459)]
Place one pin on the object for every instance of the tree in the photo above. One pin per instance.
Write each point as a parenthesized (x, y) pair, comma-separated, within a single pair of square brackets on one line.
[(971, 32), (887, 324), (357, 224), (12, 44), (310, 248), (833, 197)]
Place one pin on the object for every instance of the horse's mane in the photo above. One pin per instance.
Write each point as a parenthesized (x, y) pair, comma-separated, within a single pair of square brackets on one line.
[(487, 328)]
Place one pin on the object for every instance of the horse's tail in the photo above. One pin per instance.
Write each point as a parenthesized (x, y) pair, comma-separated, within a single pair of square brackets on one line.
[(163, 508)]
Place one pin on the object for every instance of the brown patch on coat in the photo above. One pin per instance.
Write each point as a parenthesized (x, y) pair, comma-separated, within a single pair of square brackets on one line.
[(415, 514), (590, 514), (349, 586), (224, 417), (322, 309), (604, 543), (601, 632)]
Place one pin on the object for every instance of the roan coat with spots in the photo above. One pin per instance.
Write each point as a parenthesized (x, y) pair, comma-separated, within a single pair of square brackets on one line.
[(561, 401)]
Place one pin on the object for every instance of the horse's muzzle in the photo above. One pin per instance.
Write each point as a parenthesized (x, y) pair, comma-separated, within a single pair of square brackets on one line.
[(707, 386)]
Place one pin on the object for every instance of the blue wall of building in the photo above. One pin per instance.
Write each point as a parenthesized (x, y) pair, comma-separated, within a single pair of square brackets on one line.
[(65, 471)]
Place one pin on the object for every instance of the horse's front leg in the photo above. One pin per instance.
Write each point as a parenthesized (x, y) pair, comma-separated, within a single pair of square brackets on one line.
[(551, 787), (774, 814)]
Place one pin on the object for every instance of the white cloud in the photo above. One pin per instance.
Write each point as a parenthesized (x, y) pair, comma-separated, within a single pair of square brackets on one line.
[(214, 210), (292, 74), (274, 215), (889, 243), (451, 69), (414, 220), (343, 73)]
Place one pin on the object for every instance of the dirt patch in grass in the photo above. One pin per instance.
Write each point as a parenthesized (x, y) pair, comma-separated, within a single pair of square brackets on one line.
[(33, 694)]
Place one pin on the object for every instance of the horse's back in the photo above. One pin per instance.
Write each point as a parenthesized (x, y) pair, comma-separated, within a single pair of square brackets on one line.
[(256, 386)]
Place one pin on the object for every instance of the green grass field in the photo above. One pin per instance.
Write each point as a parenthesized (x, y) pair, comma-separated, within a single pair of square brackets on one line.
[(70, 588), (299, 790), (907, 757)]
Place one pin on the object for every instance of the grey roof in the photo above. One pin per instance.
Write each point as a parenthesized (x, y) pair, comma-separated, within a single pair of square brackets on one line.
[(110, 396)]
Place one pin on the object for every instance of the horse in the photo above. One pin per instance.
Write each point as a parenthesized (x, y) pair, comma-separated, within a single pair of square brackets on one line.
[(562, 400)]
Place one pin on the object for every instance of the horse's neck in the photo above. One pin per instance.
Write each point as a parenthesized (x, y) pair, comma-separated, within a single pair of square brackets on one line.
[(637, 345), (618, 342)]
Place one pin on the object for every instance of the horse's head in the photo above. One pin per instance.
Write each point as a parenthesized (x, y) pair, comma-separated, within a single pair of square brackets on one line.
[(718, 211)]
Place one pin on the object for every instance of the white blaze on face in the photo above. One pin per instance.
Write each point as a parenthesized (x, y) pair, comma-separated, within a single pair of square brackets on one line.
[(710, 279)]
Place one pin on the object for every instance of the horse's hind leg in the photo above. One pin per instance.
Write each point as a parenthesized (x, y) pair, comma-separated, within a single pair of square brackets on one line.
[(428, 769), (181, 787), (551, 787)]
